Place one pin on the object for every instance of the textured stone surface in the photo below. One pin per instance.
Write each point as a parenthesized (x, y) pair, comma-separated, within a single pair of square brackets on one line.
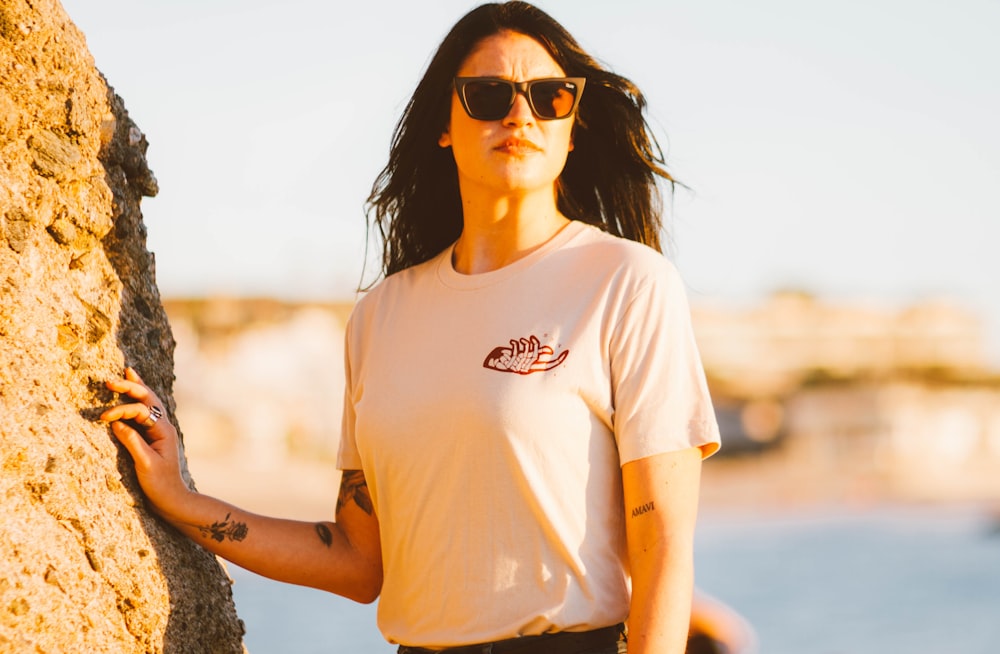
[(84, 567)]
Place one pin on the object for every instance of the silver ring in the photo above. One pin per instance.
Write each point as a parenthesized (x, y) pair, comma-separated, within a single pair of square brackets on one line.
[(155, 413)]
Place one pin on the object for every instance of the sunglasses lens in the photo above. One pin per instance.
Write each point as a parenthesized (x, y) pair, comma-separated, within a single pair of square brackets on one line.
[(553, 98), (488, 100)]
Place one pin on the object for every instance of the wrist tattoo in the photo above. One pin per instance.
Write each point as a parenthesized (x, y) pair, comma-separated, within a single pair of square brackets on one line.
[(645, 508), (354, 487), (324, 534), (221, 530)]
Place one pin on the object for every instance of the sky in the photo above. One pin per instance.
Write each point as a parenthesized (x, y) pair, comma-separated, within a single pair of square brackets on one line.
[(848, 149)]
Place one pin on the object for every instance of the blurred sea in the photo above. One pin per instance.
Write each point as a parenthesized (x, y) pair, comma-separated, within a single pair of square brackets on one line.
[(921, 580)]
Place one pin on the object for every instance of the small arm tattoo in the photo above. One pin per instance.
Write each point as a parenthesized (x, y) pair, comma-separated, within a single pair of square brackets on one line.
[(221, 530), (354, 487), (324, 534), (645, 508)]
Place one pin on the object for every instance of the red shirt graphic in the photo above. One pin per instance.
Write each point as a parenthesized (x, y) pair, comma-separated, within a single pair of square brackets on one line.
[(524, 356)]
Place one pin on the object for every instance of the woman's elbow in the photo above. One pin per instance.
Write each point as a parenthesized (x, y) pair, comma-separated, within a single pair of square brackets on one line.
[(363, 585), (369, 589)]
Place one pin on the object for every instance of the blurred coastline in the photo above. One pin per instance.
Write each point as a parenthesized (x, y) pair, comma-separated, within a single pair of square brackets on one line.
[(819, 403)]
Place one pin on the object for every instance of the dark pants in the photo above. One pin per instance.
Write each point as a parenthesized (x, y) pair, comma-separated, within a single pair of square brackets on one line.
[(621, 647), (610, 640)]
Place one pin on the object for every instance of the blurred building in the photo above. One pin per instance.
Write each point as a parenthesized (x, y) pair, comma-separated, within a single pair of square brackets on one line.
[(901, 400), (791, 338)]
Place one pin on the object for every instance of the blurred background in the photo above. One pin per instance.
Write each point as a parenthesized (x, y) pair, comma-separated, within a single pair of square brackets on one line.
[(836, 231)]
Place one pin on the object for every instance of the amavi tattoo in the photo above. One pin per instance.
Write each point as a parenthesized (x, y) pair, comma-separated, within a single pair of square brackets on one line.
[(221, 530), (645, 508), (353, 486)]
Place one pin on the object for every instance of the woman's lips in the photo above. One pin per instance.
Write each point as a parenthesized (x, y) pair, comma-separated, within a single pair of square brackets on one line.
[(517, 146)]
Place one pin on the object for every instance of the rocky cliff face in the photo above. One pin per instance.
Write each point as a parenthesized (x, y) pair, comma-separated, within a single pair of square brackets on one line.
[(84, 567)]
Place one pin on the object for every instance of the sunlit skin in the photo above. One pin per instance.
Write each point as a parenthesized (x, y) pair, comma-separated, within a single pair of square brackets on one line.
[(507, 169), (342, 557)]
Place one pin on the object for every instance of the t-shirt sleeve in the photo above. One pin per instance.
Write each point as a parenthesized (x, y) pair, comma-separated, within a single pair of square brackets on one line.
[(661, 398), (348, 457)]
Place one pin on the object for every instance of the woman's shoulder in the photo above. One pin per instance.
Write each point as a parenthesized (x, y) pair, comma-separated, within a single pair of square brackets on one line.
[(600, 249), (401, 282)]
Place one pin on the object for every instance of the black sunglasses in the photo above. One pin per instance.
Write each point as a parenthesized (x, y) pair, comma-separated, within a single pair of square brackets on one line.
[(490, 98)]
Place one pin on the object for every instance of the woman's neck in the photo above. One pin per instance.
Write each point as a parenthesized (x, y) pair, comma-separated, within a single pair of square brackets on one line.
[(498, 233)]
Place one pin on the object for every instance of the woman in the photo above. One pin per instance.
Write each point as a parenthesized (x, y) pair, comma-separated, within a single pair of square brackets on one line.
[(525, 413)]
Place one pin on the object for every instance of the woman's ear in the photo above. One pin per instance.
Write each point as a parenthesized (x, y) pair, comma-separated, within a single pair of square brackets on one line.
[(445, 139)]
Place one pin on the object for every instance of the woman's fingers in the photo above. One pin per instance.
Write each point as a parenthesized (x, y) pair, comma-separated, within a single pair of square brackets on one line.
[(133, 386), (130, 388), (142, 453), (146, 411), (133, 376), (136, 411)]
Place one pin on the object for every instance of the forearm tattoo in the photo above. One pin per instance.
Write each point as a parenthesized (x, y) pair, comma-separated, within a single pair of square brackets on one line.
[(354, 487), (220, 531), (645, 508)]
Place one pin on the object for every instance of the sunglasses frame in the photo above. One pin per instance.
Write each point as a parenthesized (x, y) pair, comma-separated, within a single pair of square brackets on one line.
[(523, 88)]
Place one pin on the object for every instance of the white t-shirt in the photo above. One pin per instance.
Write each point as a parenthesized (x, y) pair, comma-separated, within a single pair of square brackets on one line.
[(491, 414)]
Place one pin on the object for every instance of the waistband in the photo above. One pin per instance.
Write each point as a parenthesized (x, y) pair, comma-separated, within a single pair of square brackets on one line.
[(562, 642)]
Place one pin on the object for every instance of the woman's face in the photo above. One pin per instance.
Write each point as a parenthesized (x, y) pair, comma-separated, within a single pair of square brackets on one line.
[(519, 153)]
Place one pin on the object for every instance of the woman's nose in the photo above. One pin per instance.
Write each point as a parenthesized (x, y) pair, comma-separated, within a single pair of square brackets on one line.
[(520, 113)]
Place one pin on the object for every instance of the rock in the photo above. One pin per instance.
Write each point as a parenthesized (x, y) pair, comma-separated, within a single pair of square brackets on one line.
[(55, 155), (84, 566)]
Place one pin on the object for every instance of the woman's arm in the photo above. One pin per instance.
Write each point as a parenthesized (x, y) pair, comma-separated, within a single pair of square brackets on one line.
[(661, 505), (342, 557)]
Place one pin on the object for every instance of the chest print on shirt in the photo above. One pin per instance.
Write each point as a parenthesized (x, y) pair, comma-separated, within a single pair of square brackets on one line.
[(524, 356)]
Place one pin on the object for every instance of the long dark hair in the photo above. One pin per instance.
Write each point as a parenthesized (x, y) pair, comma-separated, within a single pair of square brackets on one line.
[(610, 178)]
